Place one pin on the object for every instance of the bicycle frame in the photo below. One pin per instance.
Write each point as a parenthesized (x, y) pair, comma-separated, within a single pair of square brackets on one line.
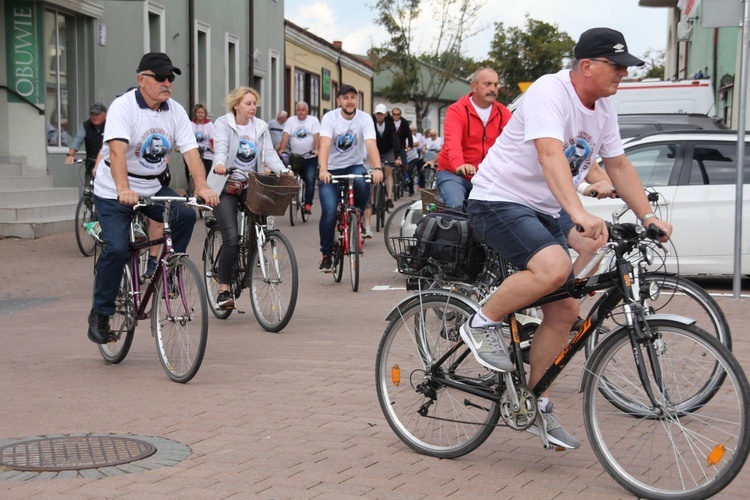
[(345, 207)]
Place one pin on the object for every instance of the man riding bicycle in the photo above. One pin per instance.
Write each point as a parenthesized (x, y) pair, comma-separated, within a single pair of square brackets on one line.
[(90, 136), (138, 119), (345, 134), (529, 174)]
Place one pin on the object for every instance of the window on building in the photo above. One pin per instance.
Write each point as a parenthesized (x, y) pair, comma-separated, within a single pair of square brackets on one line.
[(155, 28), (307, 88), (202, 63), (262, 112), (361, 104), (314, 100), (60, 61), (274, 85), (231, 63)]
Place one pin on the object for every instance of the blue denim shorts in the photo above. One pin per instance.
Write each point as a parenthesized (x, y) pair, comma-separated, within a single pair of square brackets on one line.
[(515, 231)]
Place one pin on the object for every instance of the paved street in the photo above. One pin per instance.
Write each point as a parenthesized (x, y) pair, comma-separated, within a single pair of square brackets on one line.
[(287, 415)]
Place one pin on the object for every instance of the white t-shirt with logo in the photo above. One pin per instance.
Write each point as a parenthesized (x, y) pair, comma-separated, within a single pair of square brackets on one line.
[(247, 151), (203, 135), (302, 134), (347, 137), (151, 136), (551, 109)]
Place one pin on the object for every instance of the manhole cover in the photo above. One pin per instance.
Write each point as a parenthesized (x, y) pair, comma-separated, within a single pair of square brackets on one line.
[(73, 453)]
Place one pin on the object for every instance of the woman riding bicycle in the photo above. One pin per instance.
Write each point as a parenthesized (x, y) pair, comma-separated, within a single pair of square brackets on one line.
[(241, 141)]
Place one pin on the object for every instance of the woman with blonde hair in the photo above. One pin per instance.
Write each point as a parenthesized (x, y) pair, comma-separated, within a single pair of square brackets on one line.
[(242, 141)]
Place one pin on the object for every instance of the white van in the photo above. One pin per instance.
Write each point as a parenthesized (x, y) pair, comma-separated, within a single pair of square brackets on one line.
[(685, 96)]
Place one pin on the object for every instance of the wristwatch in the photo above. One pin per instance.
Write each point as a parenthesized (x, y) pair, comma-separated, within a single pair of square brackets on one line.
[(646, 217)]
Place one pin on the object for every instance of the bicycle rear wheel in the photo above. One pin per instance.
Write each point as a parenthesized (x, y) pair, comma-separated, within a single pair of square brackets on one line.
[(429, 178), (122, 323), (355, 246), (85, 213), (273, 294), (431, 418), (179, 320), (678, 450), (211, 252), (378, 208)]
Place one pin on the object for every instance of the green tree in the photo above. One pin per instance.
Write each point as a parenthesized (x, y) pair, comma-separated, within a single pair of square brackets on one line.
[(523, 55), (418, 76), (654, 67)]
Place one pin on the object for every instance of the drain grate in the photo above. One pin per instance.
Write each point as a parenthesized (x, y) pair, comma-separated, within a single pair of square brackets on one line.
[(74, 453)]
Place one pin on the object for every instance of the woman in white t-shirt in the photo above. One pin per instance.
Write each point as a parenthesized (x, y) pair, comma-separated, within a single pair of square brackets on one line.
[(242, 141), (203, 129)]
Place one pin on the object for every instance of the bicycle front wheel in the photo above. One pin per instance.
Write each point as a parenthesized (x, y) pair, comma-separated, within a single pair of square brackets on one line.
[(179, 319), (122, 323), (296, 206), (211, 251), (428, 416), (85, 213), (274, 284), (669, 450), (355, 246), (379, 207)]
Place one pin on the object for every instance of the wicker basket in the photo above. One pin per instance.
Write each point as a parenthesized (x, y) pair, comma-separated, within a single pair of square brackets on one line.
[(270, 194)]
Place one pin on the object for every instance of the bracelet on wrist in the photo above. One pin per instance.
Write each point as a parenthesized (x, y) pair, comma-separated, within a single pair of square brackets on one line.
[(582, 187), (646, 217), (378, 168), (70, 154)]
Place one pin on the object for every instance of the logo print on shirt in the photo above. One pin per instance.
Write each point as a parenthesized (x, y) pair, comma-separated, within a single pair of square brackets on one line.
[(577, 154), (200, 137), (247, 152), (155, 148), (345, 142), (301, 133)]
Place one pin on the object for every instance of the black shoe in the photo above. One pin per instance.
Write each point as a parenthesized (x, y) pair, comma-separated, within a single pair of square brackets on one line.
[(389, 204), (326, 266), (225, 300), (99, 328), (150, 268)]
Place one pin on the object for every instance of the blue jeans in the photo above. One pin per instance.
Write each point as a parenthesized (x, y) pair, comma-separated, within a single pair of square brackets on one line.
[(329, 198), (114, 218), (454, 189), (310, 167)]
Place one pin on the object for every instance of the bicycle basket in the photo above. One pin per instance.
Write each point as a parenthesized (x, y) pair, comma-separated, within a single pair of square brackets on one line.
[(425, 259), (270, 194)]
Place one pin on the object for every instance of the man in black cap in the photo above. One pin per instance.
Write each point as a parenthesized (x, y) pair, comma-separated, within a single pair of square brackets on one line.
[(143, 127), (346, 134), (529, 174), (89, 135)]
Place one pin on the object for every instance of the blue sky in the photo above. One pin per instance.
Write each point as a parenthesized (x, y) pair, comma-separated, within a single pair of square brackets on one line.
[(352, 21)]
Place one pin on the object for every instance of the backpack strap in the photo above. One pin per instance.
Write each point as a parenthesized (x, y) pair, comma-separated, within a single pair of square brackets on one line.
[(429, 226)]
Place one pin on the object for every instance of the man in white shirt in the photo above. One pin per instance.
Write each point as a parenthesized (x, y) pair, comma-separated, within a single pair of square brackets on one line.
[(302, 136), (529, 174), (143, 127), (276, 128), (347, 135)]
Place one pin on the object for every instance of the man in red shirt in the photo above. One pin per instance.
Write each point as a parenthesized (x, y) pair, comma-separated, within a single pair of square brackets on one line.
[(471, 126)]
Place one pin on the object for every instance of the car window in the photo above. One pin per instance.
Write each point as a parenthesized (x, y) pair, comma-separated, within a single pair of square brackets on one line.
[(716, 164), (654, 162), (636, 129)]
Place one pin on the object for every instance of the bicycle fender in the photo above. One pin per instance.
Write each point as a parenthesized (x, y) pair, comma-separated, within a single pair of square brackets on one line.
[(586, 373), (409, 300)]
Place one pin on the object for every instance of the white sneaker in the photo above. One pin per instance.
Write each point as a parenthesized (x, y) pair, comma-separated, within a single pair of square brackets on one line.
[(556, 435), (368, 233), (487, 346)]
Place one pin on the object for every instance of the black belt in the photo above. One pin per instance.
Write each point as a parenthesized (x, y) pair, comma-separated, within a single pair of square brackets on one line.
[(138, 176)]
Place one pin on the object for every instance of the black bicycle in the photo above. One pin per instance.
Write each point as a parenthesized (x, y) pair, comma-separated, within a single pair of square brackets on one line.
[(665, 403), (86, 210)]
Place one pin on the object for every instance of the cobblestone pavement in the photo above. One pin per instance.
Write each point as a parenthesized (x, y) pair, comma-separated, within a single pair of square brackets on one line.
[(287, 415)]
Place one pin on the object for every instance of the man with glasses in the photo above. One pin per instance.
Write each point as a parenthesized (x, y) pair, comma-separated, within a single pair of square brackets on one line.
[(143, 126), (529, 174)]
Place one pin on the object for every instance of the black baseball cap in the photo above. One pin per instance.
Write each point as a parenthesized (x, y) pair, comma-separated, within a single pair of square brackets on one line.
[(344, 89), (159, 63), (605, 42), (97, 108)]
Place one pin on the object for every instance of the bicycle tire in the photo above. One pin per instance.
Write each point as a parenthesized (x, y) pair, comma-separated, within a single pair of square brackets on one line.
[(211, 252), (641, 451), (122, 322), (423, 332), (338, 261), (429, 178), (179, 320), (678, 296), (274, 296), (392, 227), (293, 210), (355, 246), (85, 213), (302, 188), (379, 208)]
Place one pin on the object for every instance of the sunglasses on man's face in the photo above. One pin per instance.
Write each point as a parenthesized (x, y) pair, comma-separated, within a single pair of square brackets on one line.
[(160, 78)]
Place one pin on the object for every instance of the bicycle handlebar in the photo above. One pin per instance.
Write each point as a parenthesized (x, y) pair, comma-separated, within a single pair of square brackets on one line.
[(193, 201), (335, 179)]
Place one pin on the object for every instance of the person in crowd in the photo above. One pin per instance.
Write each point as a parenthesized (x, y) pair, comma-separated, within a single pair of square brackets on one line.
[(135, 120), (203, 129), (302, 137), (90, 136), (243, 141), (406, 143), (529, 174), (276, 128), (471, 126), (347, 135), (432, 145), (413, 157)]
